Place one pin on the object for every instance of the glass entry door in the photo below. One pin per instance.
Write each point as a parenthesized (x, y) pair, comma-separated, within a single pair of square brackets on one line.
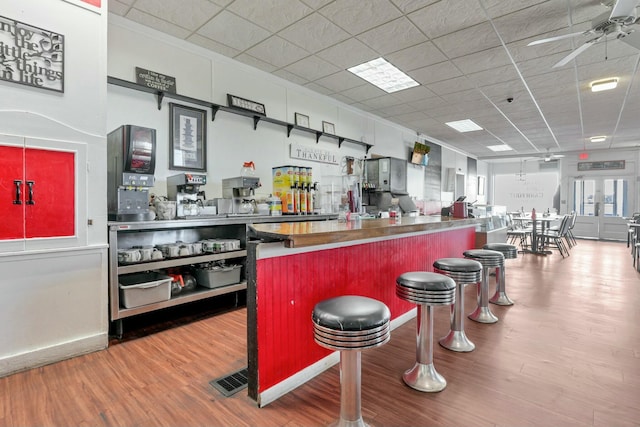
[(601, 203)]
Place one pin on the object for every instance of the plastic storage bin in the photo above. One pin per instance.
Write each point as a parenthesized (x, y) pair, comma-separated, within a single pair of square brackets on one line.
[(144, 288), (218, 276)]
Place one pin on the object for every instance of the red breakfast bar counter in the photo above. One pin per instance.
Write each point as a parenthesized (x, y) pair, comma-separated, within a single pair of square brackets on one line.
[(293, 265)]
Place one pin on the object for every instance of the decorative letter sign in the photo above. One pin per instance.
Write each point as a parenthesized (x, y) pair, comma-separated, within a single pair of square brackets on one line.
[(31, 56)]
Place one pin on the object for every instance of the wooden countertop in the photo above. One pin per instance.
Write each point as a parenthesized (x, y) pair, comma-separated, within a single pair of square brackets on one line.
[(300, 234)]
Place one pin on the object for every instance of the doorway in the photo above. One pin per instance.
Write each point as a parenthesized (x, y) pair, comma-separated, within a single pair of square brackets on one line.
[(601, 203)]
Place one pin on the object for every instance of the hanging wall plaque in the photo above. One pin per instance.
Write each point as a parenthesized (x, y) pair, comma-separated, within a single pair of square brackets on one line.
[(31, 56)]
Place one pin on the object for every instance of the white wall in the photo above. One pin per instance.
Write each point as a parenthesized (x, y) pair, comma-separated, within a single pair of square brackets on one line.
[(231, 139), (55, 302)]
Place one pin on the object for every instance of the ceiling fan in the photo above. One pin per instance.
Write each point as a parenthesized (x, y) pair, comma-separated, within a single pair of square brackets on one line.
[(622, 23), (549, 156)]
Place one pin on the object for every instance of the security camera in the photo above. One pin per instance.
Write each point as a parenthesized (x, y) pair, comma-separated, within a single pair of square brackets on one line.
[(509, 100)]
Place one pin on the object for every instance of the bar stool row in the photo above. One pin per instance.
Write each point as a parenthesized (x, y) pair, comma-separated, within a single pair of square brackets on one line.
[(351, 323)]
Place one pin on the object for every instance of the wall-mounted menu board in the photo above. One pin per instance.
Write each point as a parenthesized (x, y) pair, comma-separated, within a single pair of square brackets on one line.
[(603, 165), (433, 174)]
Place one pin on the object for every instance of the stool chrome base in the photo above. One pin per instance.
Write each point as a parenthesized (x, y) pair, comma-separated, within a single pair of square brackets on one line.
[(424, 378), (500, 298), (483, 315), (457, 341)]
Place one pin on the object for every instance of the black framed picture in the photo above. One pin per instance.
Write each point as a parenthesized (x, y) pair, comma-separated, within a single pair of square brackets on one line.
[(328, 128), (188, 133), (302, 120)]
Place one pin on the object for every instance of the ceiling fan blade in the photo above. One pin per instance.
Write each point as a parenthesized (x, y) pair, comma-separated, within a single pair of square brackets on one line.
[(572, 55), (622, 10), (632, 39), (553, 39)]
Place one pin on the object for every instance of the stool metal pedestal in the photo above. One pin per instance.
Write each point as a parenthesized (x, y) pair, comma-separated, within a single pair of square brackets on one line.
[(488, 259), (462, 271), (350, 324), (426, 290), (510, 252)]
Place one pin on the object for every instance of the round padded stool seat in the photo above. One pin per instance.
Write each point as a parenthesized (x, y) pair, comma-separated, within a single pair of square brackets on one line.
[(459, 269), (486, 257), (423, 287), (351, 323), (507, 250)]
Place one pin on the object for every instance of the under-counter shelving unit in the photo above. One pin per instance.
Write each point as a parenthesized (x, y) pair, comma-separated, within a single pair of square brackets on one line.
[(125, 235), (257, 118)]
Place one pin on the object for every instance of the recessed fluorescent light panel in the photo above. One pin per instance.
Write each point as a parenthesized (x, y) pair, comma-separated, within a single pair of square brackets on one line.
[(464, 125), (605, 84), (598, 138), (501, 147), (380, 73)]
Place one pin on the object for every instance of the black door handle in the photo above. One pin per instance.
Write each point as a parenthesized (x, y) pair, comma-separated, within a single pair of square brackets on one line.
[(30, 185), (17, 200)]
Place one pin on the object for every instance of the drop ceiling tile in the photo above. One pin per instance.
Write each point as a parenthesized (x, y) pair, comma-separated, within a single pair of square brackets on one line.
[(277, 51), (408, 6), (415, 57), (397, 110), (291, 77), (273, 15), (213, 45), (316, 4), (312, 68), (188, 14), (380, 102), (448, 16), (233, 31), (221, 3), (127, 2), (363, 107), (342, 98), (348, 53), (255, 62), (118, 8), (356, 17), (454, 85), (317, 88), (314, 33), (340, 81), (435, 73), (157, 23), (428, 104), (467, 41), (361, 93), (484, 60), (496, 75), (496, 8), (392, 36), (415, 93)]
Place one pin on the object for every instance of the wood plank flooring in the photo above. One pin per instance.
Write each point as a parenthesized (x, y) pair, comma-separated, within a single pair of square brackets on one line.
[(566, 354)]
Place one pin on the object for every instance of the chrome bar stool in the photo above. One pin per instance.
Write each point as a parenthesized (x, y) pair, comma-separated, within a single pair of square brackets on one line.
[(462, 271), (426, 290), (489, 260), (509, 252), (350, 324)]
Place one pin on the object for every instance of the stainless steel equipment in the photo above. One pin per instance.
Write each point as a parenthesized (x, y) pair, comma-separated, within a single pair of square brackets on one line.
[(241, 190), (131, 154), (385, 178), (184, 188)]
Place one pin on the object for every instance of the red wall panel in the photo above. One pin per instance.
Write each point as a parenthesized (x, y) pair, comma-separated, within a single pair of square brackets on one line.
[(288, 288)]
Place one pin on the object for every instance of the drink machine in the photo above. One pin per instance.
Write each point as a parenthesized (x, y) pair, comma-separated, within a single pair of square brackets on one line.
[(183, 189), (131, 151)]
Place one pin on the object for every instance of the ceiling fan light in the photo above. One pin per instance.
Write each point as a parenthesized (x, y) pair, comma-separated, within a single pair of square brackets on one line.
[(600, 138), (605, 84)]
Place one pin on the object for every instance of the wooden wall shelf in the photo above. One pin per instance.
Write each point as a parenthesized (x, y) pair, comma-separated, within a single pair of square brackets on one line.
[(160, 95)]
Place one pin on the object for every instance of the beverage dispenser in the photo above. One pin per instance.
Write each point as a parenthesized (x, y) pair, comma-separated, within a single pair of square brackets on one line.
[(183, 188), (131, 151)]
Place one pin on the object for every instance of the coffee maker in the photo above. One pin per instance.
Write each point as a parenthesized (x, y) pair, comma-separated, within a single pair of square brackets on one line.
[(241, 190), (183, 189), (131, 151)]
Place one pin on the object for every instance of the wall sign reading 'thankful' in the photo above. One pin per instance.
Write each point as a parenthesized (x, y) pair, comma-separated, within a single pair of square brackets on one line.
[(314, 154), (31, 56)]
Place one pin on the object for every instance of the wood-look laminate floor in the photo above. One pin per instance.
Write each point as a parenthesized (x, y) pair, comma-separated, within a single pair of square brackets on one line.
[(567, 354)]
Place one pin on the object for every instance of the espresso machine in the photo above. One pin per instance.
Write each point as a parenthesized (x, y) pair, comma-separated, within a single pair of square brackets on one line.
[(131, 152), (241, 190), (183, 189)]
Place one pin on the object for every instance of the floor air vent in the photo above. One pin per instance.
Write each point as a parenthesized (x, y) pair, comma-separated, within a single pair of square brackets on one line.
[(231, 383)]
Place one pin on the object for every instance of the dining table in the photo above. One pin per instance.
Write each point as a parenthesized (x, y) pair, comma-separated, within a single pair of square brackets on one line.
[(538, 242)]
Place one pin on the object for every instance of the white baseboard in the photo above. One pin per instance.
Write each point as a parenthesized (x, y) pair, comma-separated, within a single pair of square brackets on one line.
[(47, 355), (284, 387)]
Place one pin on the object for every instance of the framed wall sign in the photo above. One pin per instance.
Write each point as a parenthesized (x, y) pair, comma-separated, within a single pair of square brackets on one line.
[(302, 120), (245, 104), (31, 56), (188, 133), (328, 128)]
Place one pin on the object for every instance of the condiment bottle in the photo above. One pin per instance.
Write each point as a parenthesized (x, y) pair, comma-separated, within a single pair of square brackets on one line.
[(533, 214)]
